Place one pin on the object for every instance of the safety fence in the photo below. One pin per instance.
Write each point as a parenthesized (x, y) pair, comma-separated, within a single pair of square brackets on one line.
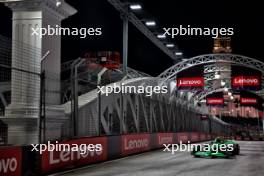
[(21, 161), (26, 87)]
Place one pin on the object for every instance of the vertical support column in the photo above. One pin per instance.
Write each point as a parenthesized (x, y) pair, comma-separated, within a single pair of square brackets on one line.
[(121, 112), (125, 44), (26, 59), (22, 115), (137, 112), (125, 114), (150, 116)]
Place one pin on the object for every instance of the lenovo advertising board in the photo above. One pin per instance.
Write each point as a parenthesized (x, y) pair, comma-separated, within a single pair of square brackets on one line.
[(246, 82), (203, 137), (54, 160), (164, 138), (195, 137), (248, 101), (135, 143), (10, 161), (214, 101), (190, 83), (182, 137)]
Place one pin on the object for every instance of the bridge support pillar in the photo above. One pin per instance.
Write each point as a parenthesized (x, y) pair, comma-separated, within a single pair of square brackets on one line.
[(28, 49)]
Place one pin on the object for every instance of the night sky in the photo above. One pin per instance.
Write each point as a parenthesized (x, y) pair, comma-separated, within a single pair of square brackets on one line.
[(245, 17)]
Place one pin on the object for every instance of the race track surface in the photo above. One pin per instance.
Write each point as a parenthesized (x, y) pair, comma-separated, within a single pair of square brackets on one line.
[(159, 163)]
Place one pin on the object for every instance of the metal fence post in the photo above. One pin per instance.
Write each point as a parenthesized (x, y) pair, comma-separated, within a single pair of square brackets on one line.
[(74, 92), (42, 114)]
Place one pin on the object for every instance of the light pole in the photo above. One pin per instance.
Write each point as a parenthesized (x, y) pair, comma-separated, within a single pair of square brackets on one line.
[(125, 42), (122, 107), (124, 16)]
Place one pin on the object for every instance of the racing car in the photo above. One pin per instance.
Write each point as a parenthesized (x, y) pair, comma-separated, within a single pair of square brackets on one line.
[(236, 147), (215, 149)]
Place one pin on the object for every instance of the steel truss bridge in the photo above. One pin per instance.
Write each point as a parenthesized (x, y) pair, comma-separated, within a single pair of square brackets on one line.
[(133, 113), (171, 112)]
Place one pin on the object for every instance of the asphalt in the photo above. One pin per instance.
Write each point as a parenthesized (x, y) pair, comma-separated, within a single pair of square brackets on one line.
[(158, 163)]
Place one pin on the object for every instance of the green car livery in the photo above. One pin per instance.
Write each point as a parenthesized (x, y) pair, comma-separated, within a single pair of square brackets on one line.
[(218, 148)]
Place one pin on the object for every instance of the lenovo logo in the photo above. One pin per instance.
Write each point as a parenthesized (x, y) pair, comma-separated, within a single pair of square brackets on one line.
[(8, 165), (74, 156), (248, 101), (10, 161), (165, 140), (215, 101), (190, 82), (183, 138), (66, 156), (136, 143), (246, 81)]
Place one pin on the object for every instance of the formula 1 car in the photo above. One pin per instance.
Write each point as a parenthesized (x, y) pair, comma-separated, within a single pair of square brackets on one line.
[(236, 147), (218, 148), (201, 152)]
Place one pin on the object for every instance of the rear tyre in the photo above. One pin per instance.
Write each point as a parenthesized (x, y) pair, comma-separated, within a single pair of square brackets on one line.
[(228, 154), (237, 149)]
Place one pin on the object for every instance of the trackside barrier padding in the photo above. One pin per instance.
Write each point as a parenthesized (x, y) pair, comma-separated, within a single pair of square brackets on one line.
[(65, 159), (164, 138), (209, 136), (184, 137), (21, 161), (195, 137), (114, 147), (247, 139), (10, 161), (203, 137), (137, 143)]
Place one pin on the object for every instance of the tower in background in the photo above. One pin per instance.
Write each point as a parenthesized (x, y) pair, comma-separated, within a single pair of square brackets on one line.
[(222, 45)]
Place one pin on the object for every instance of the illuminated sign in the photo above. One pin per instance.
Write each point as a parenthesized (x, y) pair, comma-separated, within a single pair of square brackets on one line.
[(193, 82), (215, 101), (248, 101), (245, 81)]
